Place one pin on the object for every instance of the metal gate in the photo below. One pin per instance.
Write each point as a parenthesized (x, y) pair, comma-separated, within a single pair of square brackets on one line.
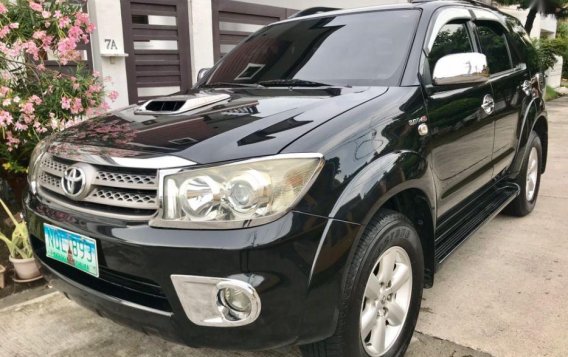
[(233, 21), (156, 38)]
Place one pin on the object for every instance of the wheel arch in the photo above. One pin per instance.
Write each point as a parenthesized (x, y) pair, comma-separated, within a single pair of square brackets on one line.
[(535, 118), (541, 128), (399, 181)]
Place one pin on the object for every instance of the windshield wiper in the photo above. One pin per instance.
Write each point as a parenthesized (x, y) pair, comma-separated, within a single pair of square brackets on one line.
[(292, 82), (232, 84)]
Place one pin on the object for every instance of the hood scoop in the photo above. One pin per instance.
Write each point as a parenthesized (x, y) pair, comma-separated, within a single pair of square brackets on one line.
[(179, 104)]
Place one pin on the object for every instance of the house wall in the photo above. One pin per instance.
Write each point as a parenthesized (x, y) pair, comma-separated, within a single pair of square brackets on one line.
[(543, 25), (109, 62)]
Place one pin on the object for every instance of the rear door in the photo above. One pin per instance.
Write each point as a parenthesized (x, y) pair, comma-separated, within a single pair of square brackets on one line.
[(508, 79), (461, 132)]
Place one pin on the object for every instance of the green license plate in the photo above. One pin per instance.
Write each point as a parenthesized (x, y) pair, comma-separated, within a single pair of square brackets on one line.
[(71, 248)]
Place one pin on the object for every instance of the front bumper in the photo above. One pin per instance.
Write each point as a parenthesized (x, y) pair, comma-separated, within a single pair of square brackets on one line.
[(137, 262)]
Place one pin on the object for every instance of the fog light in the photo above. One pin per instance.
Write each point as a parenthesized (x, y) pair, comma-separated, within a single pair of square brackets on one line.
[(237, 299), (220, 302)]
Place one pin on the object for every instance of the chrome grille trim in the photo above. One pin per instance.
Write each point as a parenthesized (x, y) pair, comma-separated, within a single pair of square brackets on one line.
[(128, 217), (124, 193), (106, 177), (123, 199), (117, 179)]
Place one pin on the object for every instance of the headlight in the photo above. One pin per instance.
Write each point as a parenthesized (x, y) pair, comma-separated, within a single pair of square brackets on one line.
[(242, 194), (35, 159)]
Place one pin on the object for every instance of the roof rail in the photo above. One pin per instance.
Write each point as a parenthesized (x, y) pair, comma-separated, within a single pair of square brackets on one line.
[(473, 2), (313, 11)]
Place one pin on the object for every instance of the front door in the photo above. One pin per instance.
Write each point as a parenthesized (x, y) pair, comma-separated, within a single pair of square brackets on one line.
[(156, 38), (461, 132)]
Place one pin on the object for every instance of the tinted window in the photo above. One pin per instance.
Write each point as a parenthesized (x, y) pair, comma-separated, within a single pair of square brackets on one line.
[(521, 47), (494, 45), (355, 49)]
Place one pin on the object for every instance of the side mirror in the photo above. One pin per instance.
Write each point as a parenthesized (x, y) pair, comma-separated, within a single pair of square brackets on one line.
[(461, 68), (202, 72)]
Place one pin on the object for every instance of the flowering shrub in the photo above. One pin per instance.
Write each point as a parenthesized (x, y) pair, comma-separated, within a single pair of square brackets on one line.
[(36, 101)]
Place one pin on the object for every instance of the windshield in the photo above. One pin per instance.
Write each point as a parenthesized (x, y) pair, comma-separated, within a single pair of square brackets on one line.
[(348, 50)]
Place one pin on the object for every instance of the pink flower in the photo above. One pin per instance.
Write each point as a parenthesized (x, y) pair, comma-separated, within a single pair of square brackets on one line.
[(46, 42), (95, 88), (35, 6), (7, 102), (57, 14), (39, 127), (41, 67), (65, 103), (113, 96), (19, 126), (32, 49), (35, 99), (4, 31), (46, 14), (4, 90), (5, 118), (66, 45), (14, 25), (28, 118), (28, 108), (75, 32), (39, 35), (12, 141), (91, 27), (64, 22), (3, 9), (77, 106), (82, 18)]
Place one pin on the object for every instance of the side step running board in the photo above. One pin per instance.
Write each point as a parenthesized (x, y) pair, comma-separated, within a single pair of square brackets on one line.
[(454, 231)]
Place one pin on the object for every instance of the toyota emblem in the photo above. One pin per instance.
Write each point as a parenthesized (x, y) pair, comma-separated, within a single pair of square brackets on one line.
[(74, 182)]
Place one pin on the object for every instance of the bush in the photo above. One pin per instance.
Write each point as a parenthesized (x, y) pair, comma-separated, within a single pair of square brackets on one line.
[(547, 48), (36, 101), (562, 35)]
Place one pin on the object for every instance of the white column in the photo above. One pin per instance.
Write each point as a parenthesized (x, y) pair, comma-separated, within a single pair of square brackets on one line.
[(200, 35), (108, 47)]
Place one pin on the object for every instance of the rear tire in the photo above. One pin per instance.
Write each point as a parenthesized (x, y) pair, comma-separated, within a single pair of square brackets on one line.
[(528, 179), (389, 251)]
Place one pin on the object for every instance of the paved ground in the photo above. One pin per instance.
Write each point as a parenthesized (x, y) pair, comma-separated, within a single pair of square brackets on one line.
[(503, 293)]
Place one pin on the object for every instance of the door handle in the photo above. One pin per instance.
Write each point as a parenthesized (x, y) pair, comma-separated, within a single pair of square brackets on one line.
[(488, 104)]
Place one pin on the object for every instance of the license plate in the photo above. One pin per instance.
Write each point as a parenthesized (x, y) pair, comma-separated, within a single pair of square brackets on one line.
[(71, 248)]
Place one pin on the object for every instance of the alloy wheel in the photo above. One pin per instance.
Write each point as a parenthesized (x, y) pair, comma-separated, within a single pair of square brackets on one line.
[(386, 302), (532, 175)]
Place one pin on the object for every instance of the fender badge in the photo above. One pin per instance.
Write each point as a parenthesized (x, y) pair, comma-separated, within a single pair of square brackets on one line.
[(415, 121)]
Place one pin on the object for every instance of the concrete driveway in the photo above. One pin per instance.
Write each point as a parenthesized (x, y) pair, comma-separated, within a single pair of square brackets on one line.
[(503, 293)]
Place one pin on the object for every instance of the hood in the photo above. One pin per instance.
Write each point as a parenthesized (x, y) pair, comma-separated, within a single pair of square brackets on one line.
[(217, 125)]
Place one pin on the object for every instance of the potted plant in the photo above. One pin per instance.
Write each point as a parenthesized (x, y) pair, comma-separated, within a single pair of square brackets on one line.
[(21, 254)]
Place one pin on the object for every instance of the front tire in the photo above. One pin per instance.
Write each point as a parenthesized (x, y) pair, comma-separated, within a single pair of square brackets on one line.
[(383, 292), (528, 179)]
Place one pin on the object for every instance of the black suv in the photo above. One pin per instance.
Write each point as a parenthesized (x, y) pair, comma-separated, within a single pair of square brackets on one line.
[(307, 188)]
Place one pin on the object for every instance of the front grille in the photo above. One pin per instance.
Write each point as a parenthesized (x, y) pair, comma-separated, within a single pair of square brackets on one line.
[(127, 193)]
